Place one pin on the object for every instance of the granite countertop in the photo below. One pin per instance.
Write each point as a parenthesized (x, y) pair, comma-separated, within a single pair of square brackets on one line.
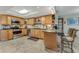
[(49, 30)]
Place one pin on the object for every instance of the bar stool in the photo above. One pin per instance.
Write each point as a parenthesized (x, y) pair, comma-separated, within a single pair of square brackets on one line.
[(67, 41)]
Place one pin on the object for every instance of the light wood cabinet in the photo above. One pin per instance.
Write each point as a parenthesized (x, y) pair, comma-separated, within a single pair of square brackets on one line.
[(38, 33), (3, 20), (30, 21), (43, 20), (9, 18), (48, 20), (6, 35), (3, 35), (50, 40), (22, 21), (41, 34), (24, 32), (10, 34), (32, 32)]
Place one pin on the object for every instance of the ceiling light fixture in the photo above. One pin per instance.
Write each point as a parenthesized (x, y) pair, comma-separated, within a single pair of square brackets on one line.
[(23, 11)]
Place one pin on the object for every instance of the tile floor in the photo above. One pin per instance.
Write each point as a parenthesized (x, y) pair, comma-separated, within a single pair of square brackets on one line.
[(23, 45)]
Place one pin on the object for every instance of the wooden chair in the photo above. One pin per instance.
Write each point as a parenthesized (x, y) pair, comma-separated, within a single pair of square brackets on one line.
[(70, 31), (67, 41)]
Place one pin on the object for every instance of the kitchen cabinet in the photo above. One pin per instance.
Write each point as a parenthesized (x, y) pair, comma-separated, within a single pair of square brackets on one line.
[(10, 34), (50, 40), (22, 21), (43, 20), (48, 20), (6, 35), (3, 35), (9, 18), (3, 20), (41, 34), (37, 33), (32, 32), (24, 32), (30, 21)]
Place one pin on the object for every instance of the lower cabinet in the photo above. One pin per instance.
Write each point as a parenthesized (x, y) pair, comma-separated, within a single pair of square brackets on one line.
[(50, 40), (6, 35), (24, 32), (10, 34), (38, 33)]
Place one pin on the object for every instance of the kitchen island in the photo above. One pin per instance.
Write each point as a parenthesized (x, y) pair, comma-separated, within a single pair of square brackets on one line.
[(50, 40), (49, 37)]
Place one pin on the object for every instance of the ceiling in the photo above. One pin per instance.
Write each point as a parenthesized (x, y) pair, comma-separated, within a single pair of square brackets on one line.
[(67, 10), (35, 11)]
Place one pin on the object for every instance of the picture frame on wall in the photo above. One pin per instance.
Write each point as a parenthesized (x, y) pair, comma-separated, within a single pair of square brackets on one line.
[(72, 21)]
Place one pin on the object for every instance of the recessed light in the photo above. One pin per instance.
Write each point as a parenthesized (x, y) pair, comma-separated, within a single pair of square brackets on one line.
[(23, 11)]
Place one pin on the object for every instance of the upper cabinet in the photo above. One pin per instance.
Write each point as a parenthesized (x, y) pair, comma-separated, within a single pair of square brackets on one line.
[(30, 21), (22, 21), (9, 20), (48, 20), (45, 20), (18, 20), (3, 20)]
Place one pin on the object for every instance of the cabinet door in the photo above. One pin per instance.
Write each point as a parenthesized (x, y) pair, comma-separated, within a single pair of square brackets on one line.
[(37, 33), (30, 21), (32, 32), (3, 20), (10, 34), (50, 40), (48, 20), (22, 21), (9, 18), (3, 35), (24, 32), (42, 20), (41, 34)]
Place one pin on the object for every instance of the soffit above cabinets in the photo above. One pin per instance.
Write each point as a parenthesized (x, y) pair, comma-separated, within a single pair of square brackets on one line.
[(33, 11)]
